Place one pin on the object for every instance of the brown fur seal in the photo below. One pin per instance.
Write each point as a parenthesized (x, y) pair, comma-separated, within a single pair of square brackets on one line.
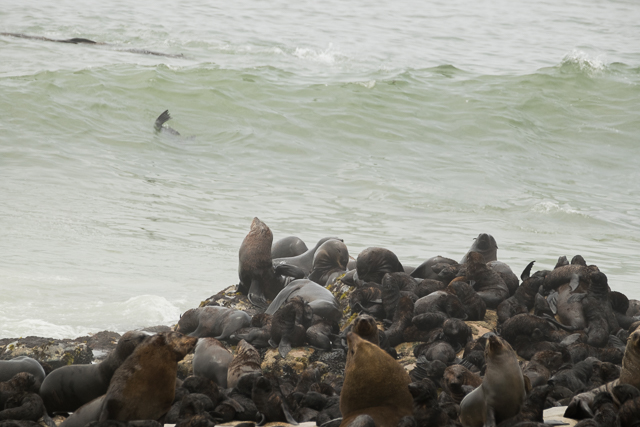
[(258, 279), (579, 407), (365, 326), (303, 261), (488, 284), (320, 299), (288, 247), (457, 376), (329, 262), (211, 321), (289, 325), (373, 263), (69, 387), (426, 269), (502, 391), (374, 384), (9, 368), (143, 387), (212, 360), (245, 361), (484, 244)]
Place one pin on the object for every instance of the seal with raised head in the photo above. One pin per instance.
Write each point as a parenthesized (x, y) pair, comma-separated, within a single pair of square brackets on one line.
[(211, 360), (143, 387), (245, 361), (258, 279), (502, 391), (212, 321), (374, 384), (484, 244), (69, 387)]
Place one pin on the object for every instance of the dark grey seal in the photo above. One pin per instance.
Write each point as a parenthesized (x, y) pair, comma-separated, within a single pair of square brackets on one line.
[(484, 244)]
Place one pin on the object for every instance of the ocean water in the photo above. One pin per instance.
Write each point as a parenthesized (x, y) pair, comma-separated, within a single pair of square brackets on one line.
[(406, 125)]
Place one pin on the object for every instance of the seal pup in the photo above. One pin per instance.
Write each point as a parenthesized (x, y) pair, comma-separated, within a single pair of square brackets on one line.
[(287, 247), (502, 391), (270, 402), (212, 321), (320, 299), (579, 407), (212, 360), (488, 284), (426, 269), (258, 279), (245, 361), (143, 387), (289, 325), (374, 384), (484, 244), (11, 367), (69, 387)]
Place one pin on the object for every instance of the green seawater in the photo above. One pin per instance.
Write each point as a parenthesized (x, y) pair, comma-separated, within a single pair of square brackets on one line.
[(403, 126)]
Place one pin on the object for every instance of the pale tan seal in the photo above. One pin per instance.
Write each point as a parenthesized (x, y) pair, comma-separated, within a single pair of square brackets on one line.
[(374, 385), (502, 391)]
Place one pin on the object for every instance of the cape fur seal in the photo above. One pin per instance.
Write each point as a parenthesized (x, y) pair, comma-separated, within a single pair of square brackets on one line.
[(373, 263), (212, 321), (143, 387), (502, 391), (484, 244), (288, 247), (303, 261), (320, 299), (212, 360), (579, 407), (69, 387), (329, 261), (258, 279), (9, 368), (374, 385), (246, 361)]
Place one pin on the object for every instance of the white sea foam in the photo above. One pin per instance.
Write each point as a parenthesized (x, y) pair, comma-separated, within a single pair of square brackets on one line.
[(553, 207), (328, 56), (585, 61)]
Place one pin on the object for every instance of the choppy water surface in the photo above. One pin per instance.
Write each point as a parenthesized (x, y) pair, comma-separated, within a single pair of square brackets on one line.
[(403, 125)]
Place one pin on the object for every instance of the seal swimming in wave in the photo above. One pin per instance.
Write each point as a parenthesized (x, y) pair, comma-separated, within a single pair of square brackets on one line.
[(161, 120)]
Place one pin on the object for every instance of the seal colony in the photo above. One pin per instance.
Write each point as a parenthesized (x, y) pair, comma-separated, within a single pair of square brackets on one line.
[(308, 336)]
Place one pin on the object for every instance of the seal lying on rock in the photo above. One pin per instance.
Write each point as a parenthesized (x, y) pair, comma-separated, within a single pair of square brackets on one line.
[(502, 391), (288, 247), (212, 321), (212, 360), (9, 368), (320, 299), (374, 385), (69, 387)]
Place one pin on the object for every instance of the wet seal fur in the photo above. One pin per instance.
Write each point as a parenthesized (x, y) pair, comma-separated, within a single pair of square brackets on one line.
[(502, 391), (212, 321), (143, 387), (484, 244), (374, 384), (246, 361), (258, 279), (9, 368), (212, 360), (69, 387)]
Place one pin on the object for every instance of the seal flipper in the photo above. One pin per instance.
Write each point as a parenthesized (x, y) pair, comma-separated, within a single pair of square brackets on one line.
[(552, 300), (256, 296), (575, 282), (289, 271), (162, 119), (490, 421), (109, 410), (288, 415), (526, 273), (284, 347)]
